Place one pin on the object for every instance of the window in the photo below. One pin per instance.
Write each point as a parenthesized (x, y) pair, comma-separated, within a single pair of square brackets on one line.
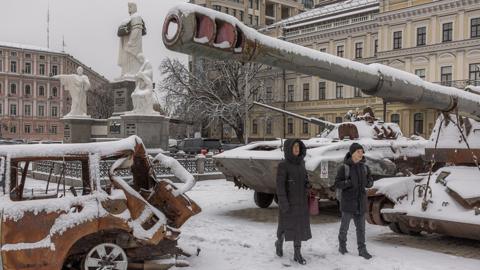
[(306, 91), (1, 65), (41, 90), (395, 118), (13, 66), (40, 129), (217, 7), (375, 47), (446, 75), (13, 88), (254, 126), (447, 32), (321, 127), (28, 110), (289, 126), (13, 54), (359, 50), (27, 129), (54, 130), (420, 73), (290, 93), (227, 10), (250, 3), (357, 92), (255, 22), (1, 109), (27, 55), (28, 68), (13, 109), (256, 4), (475, 28), (41, 69), (397, 40), (338, 119), (305, 127), (234, 12), (418, 123), (250, 19), (321, 90), (340, 50), (269, 126), (55, 91), (421, 36), (42, 57), (241, 15), (269, 95), (339, 90), (474, 74), (54, 111), (13, 129), (323, 49), (54, 70), (28, 90), (41, 110)]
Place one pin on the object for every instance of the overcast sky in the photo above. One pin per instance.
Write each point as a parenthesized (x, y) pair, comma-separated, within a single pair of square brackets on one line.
[(89, 27)]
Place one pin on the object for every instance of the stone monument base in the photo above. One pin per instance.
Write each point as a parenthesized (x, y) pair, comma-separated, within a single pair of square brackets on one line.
[(77, 130), (153, 129), (122, 91)]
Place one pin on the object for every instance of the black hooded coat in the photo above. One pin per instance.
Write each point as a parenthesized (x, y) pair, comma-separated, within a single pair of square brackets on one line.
[(292, 193)]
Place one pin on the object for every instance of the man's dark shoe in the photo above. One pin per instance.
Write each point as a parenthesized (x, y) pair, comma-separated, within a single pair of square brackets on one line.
[(342, 249), (297, 256), (364, 253)]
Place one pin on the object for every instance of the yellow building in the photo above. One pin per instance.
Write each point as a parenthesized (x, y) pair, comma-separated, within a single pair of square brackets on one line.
[(437, 40)]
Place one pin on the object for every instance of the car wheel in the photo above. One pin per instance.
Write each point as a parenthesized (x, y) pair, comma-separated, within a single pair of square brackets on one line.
[(263, 200), (106, 256)]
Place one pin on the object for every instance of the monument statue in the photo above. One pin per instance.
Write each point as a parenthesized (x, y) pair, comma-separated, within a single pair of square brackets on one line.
[(78, 85), (130, 32), (143, 97)]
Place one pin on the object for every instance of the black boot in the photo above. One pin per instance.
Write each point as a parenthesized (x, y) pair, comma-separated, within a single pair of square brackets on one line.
[(279, 247), (297, 255), (362, 252), (342, 248)]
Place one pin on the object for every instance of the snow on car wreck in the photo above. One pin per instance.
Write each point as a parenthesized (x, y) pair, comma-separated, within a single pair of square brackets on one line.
[(102, 221)]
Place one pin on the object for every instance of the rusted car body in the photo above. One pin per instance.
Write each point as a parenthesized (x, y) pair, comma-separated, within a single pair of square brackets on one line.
[(102, 224)]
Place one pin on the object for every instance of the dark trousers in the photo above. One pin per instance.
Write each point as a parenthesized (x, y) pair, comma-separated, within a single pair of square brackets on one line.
[(359, 220)]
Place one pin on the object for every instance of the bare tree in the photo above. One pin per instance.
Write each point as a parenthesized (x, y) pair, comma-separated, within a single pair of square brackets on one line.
[(100, 102), (213, 90)]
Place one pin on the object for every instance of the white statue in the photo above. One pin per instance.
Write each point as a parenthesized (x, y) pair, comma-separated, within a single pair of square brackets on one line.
[(143, 97), (78, 85), (130, 32)]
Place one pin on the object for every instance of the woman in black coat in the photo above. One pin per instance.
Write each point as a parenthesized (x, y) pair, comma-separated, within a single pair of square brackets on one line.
[(292, 193)]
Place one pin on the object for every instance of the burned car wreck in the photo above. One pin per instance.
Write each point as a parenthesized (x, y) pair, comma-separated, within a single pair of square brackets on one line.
[(101, 223)]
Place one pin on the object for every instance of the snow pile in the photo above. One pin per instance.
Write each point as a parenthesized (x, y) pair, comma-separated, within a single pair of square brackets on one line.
[(47, 150), (461, 179), (450, 136), (179, 171), (396, 188)]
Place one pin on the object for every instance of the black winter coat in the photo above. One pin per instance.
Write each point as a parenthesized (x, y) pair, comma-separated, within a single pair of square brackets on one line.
[(354, 194), (292, 193)]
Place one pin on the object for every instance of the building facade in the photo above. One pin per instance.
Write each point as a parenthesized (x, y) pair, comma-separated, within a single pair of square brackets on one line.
[(257, 13), (437, 40), (31, 101)]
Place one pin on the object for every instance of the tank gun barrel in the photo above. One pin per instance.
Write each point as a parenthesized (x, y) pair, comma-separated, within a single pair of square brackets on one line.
[(312, 120), (200, 31)]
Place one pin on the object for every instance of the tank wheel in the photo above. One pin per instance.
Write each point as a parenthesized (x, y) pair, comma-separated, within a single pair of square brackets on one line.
[(377, 206), (263, 200), (394, 227), (401, 228), (369, 214), (106, 256)]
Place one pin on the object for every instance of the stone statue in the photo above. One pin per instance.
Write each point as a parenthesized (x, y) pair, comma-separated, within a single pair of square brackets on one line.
[(130, 32), (78, 85), (143, 97)]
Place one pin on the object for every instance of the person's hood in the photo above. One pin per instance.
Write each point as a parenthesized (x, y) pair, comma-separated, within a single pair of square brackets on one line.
[(288, 151), (348, 159)]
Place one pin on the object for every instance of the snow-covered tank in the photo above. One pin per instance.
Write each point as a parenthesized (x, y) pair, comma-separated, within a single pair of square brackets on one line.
[(446, 199), (254, 166)]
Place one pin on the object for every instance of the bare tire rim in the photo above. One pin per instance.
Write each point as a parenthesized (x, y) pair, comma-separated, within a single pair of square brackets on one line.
[(106, 256)]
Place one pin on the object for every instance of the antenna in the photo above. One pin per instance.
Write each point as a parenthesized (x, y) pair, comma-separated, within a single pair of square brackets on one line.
[(48, 26), (63, 43)]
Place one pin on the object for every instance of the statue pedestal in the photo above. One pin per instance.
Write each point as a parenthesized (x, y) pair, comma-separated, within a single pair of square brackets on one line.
[(153, 129), (77, 130), (122, 100)]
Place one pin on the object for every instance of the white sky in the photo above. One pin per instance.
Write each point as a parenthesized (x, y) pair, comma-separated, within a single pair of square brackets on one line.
[(89, 27)]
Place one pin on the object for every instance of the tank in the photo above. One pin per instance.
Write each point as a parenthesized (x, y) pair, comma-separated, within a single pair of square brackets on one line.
[(445, 198)]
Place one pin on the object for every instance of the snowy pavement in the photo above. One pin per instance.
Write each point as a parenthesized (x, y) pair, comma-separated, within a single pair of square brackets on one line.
[(232, 233)]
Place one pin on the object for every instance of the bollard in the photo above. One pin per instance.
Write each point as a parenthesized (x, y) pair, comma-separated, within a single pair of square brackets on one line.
[(200, 163)]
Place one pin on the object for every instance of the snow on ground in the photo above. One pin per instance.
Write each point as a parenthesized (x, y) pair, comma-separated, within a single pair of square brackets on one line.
[(232, 233)]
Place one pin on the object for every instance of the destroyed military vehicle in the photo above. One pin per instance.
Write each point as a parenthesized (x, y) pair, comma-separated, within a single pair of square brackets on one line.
[(101, 223)]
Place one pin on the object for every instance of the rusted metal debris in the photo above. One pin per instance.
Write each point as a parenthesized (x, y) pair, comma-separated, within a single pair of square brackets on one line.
[(68, 229)]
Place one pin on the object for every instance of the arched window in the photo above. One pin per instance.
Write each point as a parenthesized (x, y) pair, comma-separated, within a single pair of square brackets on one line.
[(290, 126), (41, 90), (28, 90), (269, 126), (13, 88), (254, 126), (55, 91)]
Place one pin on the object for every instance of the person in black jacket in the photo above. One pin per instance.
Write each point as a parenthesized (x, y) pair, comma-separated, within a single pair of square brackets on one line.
[(292, 194), (353, 177)]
